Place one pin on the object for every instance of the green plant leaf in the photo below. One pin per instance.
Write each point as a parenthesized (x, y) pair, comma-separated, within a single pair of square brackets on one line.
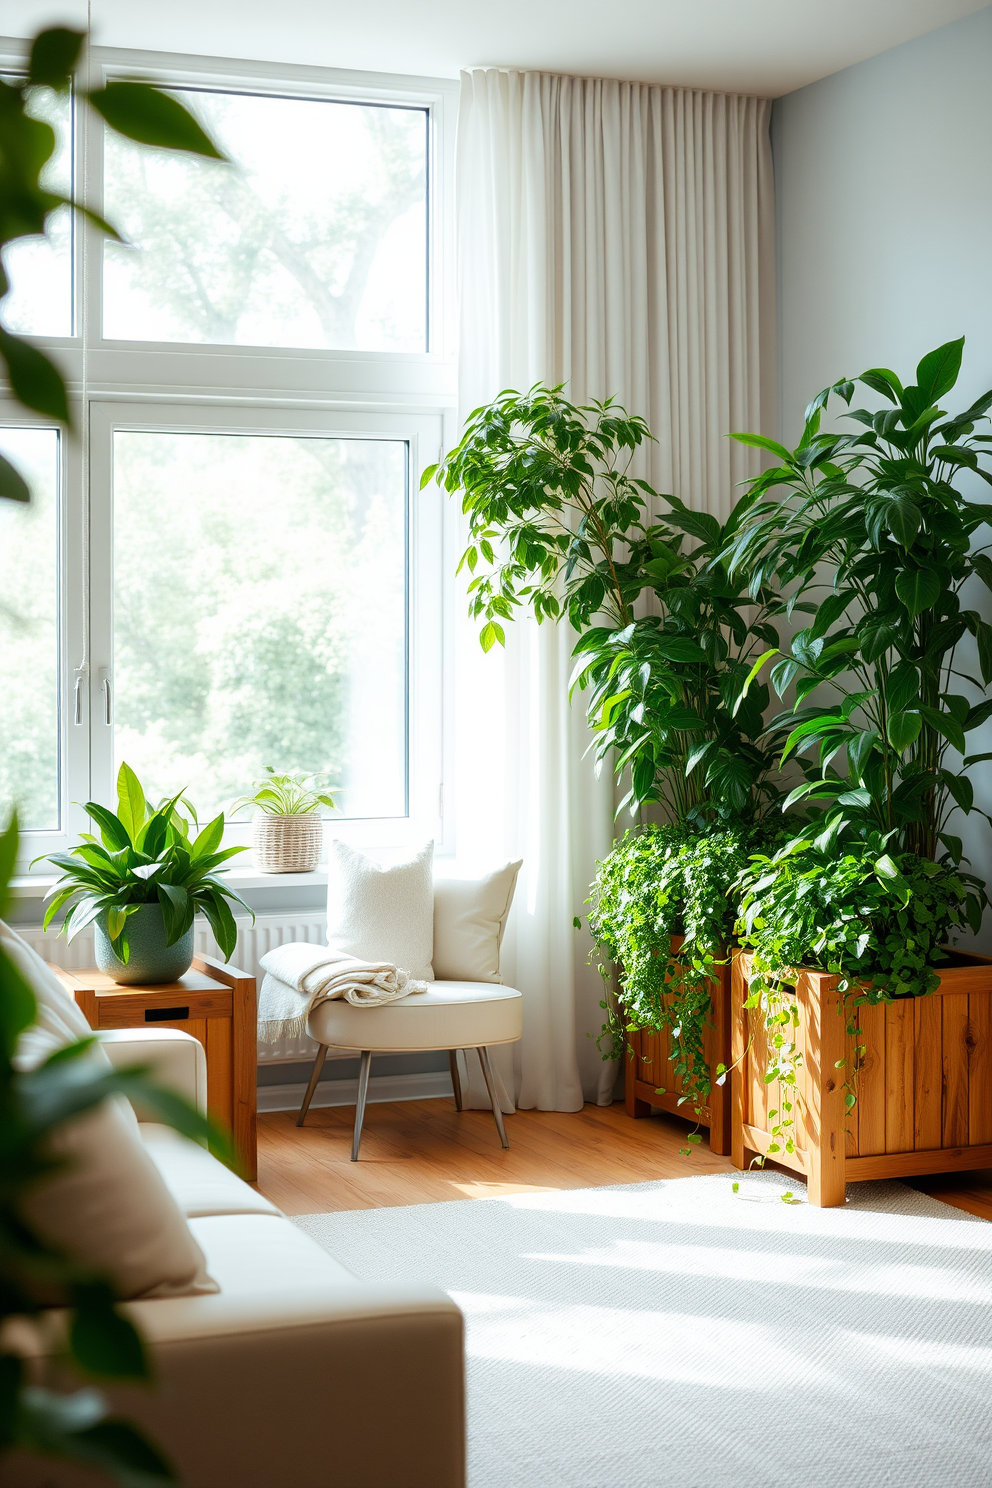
[(34, 379), (982, 564), (221, 921), (938, 372), (151, 117), (116, 920), (759, 441), (209, 840), (903, 729), (13, 486), (54, 57), (112, 829), (490, 633), (102, 1340), (918, 588), (131, 805)]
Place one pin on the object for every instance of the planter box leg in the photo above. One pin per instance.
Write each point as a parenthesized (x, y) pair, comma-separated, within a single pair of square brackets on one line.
[(633, 1105), (826, 1049), (738, 1044)]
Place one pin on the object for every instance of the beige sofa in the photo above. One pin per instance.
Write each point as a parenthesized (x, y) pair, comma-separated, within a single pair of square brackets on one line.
[(295, 1374)]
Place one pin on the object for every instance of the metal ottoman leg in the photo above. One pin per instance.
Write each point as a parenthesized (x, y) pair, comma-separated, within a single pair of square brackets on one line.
[(487, 1071), (456, 1079), (318, 1065), (363, 1090)]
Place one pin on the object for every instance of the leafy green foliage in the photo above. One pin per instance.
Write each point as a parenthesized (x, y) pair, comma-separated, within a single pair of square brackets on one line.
[(662, 882), (559, 526), (873, 526), (296, 794), (861, 913), (875, 919), (140, 112), (102, 1341), (145, 855)]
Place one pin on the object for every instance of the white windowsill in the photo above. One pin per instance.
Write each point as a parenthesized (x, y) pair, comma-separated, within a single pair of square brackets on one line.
[(37, 885)]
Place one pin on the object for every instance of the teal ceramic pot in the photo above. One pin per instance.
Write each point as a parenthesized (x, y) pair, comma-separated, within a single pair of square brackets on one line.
[(151, 960)]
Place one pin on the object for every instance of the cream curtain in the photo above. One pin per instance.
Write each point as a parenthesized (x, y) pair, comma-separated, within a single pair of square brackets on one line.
[(618, 237)]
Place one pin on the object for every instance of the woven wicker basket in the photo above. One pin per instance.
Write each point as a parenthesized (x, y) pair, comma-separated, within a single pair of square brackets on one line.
[(287, 844)]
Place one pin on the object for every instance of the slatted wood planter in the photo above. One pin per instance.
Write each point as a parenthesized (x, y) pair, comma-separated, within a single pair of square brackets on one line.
[(924, 1089), (648, 1068)]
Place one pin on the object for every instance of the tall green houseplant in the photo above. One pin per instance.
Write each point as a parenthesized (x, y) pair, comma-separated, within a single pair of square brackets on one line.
[(878, 529), (667, 641)]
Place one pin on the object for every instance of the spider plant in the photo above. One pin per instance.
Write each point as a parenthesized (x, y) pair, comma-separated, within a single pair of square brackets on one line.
[(297, 794)]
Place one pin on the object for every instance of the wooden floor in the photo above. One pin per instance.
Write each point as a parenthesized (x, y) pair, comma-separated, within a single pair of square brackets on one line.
[(421, 1152)]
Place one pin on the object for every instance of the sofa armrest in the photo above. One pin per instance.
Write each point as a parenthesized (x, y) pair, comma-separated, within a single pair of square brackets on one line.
[(176, 1060), (294, 1372)]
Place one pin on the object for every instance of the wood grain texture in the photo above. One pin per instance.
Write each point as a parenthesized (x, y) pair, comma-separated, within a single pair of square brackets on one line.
[(955, 1053), (740, 1114), (980, 1069), (871, 1080), (906, 1164), (416, 1152), (825, 1053), (421, 1152), (221, 1002), (924, 1086), (656, 1086), (899, 1022), (928, 1074)]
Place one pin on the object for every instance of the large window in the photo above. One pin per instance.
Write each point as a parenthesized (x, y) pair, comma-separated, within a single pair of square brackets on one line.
[(230, 565), (318, 238), (266, 620)]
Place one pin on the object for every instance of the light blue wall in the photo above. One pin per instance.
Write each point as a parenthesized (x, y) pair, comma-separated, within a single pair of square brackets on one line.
[(884, 188)]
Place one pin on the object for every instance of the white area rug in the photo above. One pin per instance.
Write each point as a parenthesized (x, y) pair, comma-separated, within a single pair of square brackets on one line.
[(674, 1335)]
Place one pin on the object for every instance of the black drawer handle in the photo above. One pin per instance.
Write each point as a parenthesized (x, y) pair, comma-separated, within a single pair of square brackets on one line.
[(165, 1015)]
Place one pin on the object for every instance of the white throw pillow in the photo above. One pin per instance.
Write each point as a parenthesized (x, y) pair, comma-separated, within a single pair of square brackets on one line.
[(109, 1209), (382, 914), (469, 920)]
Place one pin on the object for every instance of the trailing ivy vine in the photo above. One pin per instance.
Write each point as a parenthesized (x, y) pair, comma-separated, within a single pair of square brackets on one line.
[(660, 882)]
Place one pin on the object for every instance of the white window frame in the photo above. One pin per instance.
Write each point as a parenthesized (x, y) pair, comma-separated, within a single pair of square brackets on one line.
[(245, 389), (421, 433)]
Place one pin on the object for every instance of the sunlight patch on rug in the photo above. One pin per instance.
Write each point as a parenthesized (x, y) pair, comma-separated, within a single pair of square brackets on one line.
[(679, 1335)]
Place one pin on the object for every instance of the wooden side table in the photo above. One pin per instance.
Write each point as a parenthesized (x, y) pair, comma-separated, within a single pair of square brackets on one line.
[(213, 1002)]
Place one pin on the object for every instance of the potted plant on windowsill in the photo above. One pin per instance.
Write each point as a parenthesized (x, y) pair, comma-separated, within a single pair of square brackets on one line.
[(141, 884), (558, 525), (288, 831), (861, 1047)]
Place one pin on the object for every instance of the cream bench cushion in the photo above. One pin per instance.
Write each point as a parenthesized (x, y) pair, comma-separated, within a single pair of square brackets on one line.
[(449, 1015)]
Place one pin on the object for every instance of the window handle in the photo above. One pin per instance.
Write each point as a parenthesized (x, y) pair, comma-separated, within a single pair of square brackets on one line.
[(108, 698)]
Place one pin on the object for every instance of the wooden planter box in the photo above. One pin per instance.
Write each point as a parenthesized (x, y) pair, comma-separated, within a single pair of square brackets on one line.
[(648, 1068), (924, 1090)]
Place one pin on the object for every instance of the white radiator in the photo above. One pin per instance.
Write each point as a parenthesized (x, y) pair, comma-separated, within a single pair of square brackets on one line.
[(254, 940)]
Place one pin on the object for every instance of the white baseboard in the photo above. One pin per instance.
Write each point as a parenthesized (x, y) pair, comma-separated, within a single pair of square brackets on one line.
[(431, 1085)]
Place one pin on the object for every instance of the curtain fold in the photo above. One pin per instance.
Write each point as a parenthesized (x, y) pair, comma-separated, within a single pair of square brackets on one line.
[(618, 237)]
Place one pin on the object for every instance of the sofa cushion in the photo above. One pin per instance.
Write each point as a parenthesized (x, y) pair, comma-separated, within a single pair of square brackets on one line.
[(108, 1208), (199, 1183), (382, 913), (469, 919)]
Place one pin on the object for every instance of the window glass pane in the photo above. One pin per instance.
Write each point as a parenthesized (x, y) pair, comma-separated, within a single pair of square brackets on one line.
[(260, 614), (317, 237), (29, 648), (40, 269)]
